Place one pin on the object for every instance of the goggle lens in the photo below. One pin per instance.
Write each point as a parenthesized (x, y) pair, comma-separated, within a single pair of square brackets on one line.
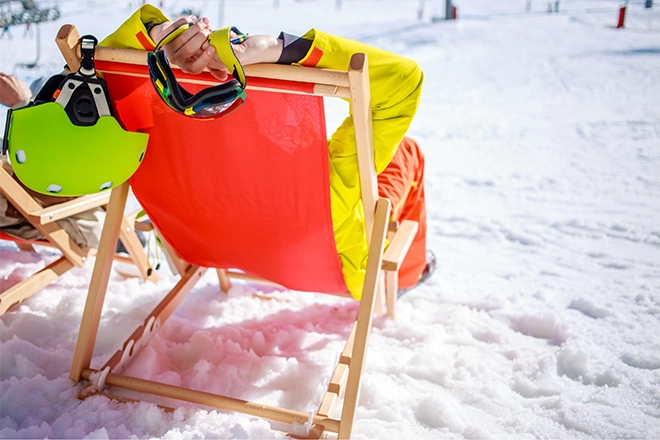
[(210, 103)]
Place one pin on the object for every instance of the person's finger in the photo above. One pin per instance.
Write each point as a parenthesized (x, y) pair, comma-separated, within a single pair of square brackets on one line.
[(216, 64), (196, 66), (186, 36), (193, 42), (169, 28), (221, 75)]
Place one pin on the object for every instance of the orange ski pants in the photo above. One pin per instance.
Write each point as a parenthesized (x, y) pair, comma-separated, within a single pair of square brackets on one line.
[(403, 183)]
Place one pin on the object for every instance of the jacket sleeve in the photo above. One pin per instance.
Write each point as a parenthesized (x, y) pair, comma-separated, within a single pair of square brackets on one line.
[(132, 34), (395, 86)]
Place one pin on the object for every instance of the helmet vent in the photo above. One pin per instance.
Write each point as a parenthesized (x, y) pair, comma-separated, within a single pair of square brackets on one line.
[(20, 156), (105, 186), (141, 156), (53, 188)]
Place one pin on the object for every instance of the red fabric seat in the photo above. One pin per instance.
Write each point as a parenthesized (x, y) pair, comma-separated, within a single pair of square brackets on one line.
[(8, 237), (248, 191)]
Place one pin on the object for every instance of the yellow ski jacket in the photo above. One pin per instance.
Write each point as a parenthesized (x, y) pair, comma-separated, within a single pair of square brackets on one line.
[(395, 86)]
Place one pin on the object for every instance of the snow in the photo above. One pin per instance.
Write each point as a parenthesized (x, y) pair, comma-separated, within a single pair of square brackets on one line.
[(542, 140)]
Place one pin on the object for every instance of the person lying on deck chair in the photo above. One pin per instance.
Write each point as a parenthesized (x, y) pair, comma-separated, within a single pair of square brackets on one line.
[(396, 86), (84, 228)]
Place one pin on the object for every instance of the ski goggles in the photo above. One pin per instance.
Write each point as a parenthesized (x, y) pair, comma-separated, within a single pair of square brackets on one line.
[(212, 102)]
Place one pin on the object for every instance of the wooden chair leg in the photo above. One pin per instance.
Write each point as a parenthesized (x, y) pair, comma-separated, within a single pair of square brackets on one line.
[(392, 284), (225, 281), (364, 319), (82, 355)]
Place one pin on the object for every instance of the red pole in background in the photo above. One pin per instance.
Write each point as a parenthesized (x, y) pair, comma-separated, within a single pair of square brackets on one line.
[(622, 17), (454, 12)]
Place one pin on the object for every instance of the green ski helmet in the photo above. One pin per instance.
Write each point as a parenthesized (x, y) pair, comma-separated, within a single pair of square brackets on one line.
[(73, 145)]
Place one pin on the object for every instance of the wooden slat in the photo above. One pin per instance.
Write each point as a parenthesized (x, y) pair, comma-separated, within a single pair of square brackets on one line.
[(328, 404), (364, 319), (123, 399), (217, 401), (68, 36), (339, 377), (297, 73), (316, 432), (399, 245), (328, 90), (272, 71), (36, 282), (72, 207), (345, 357)]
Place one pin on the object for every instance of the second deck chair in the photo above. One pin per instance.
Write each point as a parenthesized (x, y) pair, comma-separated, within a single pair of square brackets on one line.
[(247, 191), (45, 221)]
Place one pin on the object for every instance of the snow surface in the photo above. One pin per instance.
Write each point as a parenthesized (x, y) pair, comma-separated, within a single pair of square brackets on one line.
[(542, 139)]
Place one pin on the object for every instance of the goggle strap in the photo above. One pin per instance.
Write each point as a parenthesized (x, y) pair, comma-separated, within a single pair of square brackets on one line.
[(221, 40), (87, 46), (211, 102), (5, 139), (173, 34)]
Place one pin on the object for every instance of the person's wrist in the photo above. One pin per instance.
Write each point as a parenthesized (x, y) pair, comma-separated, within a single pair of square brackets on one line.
[(274, 50), (21, 103), (151, 29)]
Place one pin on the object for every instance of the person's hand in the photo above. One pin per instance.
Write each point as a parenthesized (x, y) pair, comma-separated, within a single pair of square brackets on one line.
[(191, 50), (13, 90), (259, 49)]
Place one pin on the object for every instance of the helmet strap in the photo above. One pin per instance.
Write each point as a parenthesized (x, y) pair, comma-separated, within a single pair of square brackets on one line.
[(87, 46)]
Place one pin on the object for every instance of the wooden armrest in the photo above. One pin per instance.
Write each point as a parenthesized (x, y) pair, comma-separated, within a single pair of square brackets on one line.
[(72, 207), (398, 248)]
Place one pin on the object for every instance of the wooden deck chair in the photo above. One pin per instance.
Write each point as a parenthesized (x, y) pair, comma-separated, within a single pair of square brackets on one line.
[(256, 199), (45, 221)]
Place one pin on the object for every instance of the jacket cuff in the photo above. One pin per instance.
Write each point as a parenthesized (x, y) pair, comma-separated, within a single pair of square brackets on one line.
[(295, 48)]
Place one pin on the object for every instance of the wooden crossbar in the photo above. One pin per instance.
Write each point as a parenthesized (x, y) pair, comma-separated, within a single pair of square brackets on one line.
[(36, 282), (214, 400), (72, 207), (258, 78)]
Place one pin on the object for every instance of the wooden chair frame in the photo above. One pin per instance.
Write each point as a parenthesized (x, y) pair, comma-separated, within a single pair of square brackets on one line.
[(353, 84), (45, 221)]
